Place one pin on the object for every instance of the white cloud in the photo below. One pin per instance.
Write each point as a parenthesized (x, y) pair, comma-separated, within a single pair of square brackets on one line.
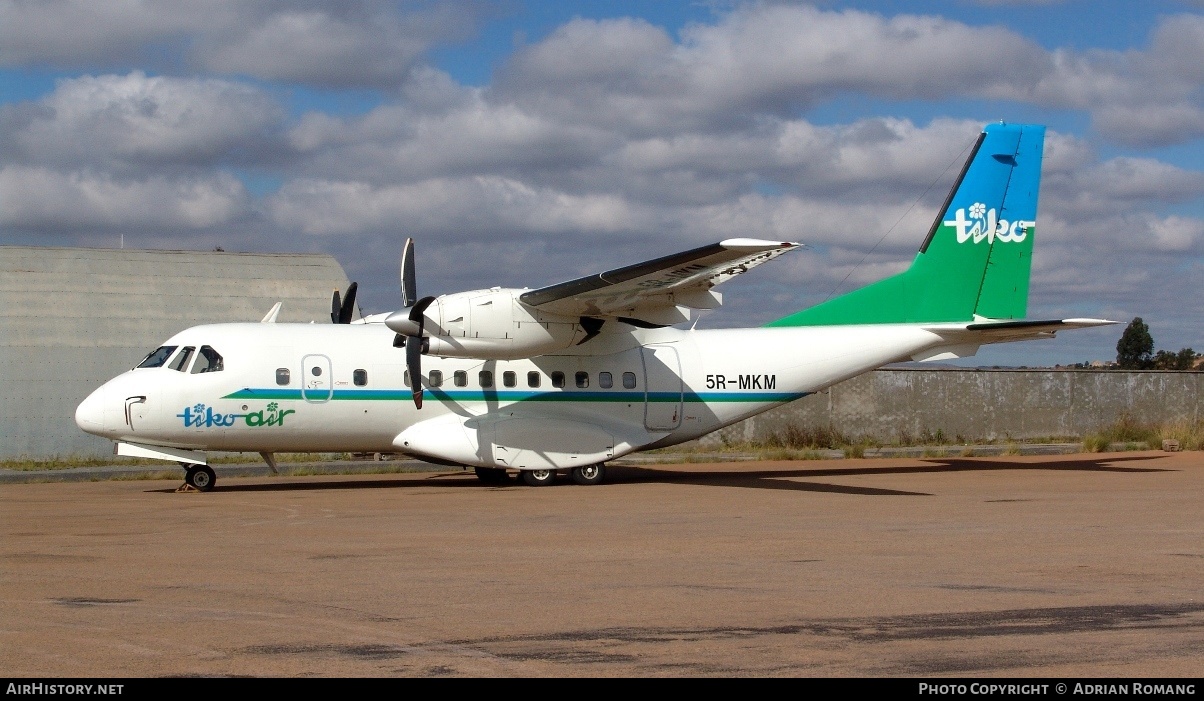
[(137, 119), (83, 32), (40, 198), (470, 208), (333, 43), (759, 59)]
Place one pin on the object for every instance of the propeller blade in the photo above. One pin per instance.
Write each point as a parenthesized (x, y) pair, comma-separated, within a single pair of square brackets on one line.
[(335, 308), (347, 309), (414, 348), (409, 287), (414, 365), (417, 311)]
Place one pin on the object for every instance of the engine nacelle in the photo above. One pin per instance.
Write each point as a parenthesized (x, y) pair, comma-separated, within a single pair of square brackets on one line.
[(494, 325)]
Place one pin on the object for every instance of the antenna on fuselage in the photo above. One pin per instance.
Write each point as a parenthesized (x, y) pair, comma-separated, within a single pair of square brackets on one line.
[(270, 317)]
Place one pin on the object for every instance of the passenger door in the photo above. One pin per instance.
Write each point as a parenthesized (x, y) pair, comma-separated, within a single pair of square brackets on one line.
[(662, 388), (317, 385)]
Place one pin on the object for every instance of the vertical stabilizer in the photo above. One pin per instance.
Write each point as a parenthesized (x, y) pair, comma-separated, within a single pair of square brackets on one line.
[(977, 255)]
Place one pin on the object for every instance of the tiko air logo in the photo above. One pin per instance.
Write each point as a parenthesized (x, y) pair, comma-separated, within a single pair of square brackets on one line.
[(983, 224)]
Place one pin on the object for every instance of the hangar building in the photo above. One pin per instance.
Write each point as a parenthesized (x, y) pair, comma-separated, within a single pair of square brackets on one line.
[(71, 318)]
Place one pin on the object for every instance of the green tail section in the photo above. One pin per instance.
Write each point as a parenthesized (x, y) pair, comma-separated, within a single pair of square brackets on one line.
[(978, 254)]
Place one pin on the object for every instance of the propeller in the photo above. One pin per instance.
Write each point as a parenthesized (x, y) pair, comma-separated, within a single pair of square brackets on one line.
[(416, 345), (340, 312), (409, 325)]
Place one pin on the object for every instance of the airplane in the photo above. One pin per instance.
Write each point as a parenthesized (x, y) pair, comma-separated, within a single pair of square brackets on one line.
[(542, 383)]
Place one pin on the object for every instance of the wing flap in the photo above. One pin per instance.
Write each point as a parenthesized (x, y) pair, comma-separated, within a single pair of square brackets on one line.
[(648, 289)]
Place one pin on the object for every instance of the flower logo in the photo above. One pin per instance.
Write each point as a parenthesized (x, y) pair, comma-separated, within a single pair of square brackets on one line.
[(978, 210), (273, 406)]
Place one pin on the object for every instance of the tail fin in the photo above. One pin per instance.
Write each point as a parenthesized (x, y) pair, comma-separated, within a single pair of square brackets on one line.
[(976, 259)]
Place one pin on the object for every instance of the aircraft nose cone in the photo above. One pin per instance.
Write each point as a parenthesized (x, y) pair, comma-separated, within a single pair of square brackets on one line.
[(90, 414)]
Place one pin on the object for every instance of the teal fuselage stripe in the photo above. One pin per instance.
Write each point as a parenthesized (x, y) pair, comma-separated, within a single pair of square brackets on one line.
[(476, 395)]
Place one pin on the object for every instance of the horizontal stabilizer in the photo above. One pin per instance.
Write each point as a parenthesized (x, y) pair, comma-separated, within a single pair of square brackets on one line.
[(991, 331)]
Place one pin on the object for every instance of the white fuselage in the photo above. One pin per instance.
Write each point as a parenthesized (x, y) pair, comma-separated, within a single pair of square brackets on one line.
[(344, 388)]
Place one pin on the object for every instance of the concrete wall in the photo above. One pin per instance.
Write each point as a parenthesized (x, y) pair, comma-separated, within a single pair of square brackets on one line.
[(994, 404), (71, 318)]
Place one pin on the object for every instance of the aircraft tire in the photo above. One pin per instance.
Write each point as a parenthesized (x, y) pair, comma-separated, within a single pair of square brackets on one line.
[(539, 478), (589, 474), (200, 477), (492, 475)]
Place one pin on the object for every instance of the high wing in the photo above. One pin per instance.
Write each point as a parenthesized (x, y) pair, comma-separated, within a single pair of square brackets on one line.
[(650, 293)]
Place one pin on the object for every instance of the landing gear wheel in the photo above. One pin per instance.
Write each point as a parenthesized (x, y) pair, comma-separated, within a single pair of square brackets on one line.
[(589, 474), (201, 477), (492, 475), (539, 478)]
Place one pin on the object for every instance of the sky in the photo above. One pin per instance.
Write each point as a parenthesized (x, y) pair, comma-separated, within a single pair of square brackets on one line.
[(525, 143)]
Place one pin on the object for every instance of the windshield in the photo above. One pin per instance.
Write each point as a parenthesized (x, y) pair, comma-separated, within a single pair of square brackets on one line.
[(157, 357), (210, 361)]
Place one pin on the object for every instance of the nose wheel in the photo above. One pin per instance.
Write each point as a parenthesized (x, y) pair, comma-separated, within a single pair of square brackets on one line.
[(199, 477)]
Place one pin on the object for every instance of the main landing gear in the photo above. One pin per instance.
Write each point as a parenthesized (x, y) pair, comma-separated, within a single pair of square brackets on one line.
[(589, 474), (584, 475), (492, 475), (199, 477)]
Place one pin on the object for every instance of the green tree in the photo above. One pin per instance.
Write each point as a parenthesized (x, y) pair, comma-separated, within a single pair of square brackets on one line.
[(1135, 349), (1168, 360)]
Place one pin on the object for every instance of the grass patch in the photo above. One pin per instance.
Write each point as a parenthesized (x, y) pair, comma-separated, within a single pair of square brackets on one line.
[(1132, 434), (1190, 434)]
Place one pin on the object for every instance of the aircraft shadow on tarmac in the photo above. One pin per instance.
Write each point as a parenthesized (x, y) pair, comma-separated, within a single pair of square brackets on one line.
[(778, 479)]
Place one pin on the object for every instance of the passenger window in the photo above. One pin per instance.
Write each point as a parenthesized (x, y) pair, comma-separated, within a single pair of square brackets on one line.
[(582, 379), (435, 378), (486, 378), (282, 376), (509, 378), (629, 380), (558, 379), (157, 357), (605, 381), (208, 361), (360, 378), (180, 364), (533, 379), (460, 378)]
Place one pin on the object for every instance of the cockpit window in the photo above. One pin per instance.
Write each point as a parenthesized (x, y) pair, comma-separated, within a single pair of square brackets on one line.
[(209, 361), (181, 361), (157, 357)]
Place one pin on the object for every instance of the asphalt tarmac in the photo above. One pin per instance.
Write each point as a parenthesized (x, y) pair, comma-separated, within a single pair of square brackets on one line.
[(1088, 565)]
